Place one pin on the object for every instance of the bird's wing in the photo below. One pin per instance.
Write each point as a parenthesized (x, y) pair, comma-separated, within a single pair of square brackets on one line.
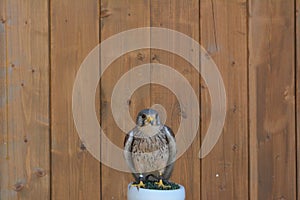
[(128, 151), (172, 151)]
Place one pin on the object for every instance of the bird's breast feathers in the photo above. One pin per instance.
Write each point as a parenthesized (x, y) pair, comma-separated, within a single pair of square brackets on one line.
[(148, 131)]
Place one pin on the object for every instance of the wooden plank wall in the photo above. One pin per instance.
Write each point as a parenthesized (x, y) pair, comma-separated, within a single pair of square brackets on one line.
[(255, 44), (224, 35), (74, 33), (272, 99), (297, 23), (24, 169)]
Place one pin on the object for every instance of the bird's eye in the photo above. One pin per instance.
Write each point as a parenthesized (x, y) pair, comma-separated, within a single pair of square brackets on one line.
[(143, 116)]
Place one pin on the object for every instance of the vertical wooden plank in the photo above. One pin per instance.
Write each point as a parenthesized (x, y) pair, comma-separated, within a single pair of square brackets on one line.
[(224, 36), (24, 168), (74, 33), (182, 16), (3, 99), (297, 18), (272, 102), (125, 15)]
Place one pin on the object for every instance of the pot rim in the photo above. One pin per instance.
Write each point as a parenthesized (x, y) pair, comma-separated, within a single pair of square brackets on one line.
[(181, 187)]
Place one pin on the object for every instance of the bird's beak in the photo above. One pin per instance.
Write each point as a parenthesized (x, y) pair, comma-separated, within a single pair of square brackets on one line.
[(149, 119)]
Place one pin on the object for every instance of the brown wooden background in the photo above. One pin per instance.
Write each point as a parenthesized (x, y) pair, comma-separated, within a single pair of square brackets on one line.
[(255, 43)]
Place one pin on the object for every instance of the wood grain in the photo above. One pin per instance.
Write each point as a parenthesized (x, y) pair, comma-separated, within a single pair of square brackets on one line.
[(3, 102), (224, 36), (24, 168), (271, 99), (74, 33), (181, 16), (124, 15), (297, 18)]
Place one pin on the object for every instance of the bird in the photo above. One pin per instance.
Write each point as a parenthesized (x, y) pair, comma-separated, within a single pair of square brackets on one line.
[(150, 149)]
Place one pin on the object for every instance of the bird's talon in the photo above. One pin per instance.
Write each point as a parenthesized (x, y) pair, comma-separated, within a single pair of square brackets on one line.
[(138, 185), (162, 185)]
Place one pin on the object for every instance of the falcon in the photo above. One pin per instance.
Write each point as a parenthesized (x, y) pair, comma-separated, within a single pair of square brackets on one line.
[(150, 149)]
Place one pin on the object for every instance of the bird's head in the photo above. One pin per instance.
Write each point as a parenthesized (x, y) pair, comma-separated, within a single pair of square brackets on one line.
[(148, 117)]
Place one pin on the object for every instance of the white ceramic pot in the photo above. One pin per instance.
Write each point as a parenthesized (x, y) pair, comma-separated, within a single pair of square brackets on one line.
[(145, 194)]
